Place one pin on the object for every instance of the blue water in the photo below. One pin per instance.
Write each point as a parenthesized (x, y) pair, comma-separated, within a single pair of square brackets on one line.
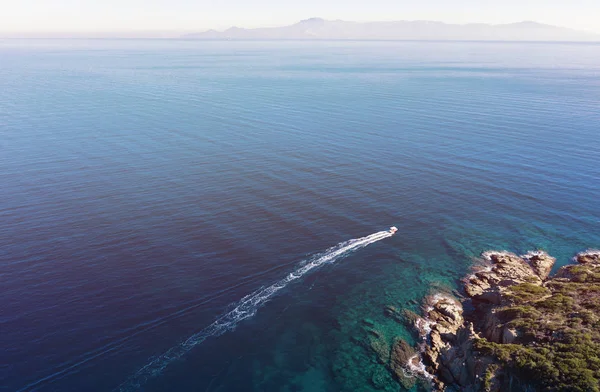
[(147, 186)]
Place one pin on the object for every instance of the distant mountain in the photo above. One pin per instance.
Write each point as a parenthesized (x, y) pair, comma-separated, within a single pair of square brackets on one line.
[(317, 28)]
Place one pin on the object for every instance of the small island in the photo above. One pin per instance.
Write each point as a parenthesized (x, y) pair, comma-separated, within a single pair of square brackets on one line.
[(515, 328)]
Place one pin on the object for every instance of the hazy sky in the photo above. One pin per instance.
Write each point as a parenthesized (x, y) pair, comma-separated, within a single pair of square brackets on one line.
[(198, 15)]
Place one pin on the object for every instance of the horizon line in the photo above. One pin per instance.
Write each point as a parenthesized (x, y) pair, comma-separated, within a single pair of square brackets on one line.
[(173, 31), (486, 41)]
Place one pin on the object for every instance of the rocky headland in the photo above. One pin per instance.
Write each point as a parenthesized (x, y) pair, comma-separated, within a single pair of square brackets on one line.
[(515, 328)]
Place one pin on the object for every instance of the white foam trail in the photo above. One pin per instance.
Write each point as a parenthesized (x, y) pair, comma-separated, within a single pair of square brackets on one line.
[(245, 308)]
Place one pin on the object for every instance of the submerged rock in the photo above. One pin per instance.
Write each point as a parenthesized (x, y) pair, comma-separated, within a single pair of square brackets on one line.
[(393, 313), (381, 348), (368, 322), (409, 319), (380, 379), (400, 356)]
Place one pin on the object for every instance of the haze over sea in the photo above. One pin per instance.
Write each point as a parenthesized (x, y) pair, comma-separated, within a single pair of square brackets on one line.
[(147, 186)]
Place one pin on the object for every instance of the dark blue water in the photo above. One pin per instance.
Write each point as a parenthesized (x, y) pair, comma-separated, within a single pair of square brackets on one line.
[(148, 186)]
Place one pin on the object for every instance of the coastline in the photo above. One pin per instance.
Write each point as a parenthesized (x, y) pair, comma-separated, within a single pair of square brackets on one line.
[(514, 327)]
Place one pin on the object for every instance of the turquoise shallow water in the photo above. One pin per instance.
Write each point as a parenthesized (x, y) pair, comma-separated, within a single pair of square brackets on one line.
[(149, 185)]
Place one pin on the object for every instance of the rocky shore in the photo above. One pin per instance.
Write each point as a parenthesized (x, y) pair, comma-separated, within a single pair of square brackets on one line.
[(514, 329)]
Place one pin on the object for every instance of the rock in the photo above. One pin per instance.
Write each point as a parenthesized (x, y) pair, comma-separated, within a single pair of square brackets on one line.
[(442, 319), (510, 269), (449, 352), (447, 312), (505, 269), (446, 375), (467, 352), (476, 286), (490, 296), (541, 263), (459, 370), (486, 287), (436, 345), (409, 318), (400, 356), (588, 257), (509, 336)]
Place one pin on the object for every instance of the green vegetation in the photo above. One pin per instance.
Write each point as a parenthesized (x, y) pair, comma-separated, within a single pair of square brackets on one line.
[(584, 274), (490, 372), (559, 333), (552, 367), (526, 292)]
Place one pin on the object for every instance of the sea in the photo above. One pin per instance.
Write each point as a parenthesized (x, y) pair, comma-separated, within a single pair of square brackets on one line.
[(180, 215)]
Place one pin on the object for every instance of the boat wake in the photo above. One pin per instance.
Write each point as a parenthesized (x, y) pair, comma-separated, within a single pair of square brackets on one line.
[(246, 308)]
